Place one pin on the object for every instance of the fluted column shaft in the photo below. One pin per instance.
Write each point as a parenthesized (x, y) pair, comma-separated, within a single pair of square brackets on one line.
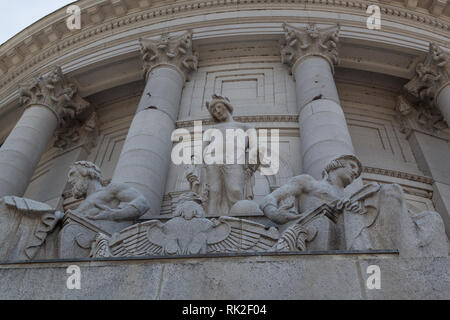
[(145, 158)]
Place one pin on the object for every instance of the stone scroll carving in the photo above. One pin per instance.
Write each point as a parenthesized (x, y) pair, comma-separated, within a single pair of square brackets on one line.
[(302, 42), (176, 52), (24, 227)]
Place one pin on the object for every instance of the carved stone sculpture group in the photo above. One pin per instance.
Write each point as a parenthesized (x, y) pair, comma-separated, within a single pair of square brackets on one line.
[(309, 214), (306, 213)]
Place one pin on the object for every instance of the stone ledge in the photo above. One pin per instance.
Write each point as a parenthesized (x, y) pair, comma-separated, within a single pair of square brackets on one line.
[(319, 275)]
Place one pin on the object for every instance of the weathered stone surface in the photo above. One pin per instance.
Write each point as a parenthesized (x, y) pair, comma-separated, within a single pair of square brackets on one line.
[(256, 277), (410, 279), (189, 232), (24, 227), (240, 59), (324, 134)]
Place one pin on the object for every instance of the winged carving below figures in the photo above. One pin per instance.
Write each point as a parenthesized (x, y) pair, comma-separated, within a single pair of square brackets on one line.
[(181, 236)]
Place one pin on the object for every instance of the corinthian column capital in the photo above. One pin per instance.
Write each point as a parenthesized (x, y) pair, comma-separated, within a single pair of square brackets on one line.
[(431, 76), (300, 43), (57, 93), (176, 53)]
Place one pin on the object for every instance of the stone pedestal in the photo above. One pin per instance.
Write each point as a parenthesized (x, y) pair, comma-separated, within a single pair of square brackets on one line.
[(260, 277), (145, 158)]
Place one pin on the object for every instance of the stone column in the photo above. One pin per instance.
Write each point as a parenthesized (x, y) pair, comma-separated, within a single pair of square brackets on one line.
[(312, 53), (73, 145), (145, 158), (50, 102), (425, 110)]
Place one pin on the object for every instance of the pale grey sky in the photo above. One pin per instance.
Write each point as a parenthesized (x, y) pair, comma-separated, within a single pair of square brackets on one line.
[(16, 15)]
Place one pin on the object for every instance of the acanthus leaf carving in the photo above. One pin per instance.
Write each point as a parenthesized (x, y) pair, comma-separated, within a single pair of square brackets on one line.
[(56, 92), (105, 209), (80, 133), (310, 41), (431, 76), (418, 117), (176, 52)]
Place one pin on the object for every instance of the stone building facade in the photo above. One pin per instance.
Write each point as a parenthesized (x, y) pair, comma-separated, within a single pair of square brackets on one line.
[(88, 117)]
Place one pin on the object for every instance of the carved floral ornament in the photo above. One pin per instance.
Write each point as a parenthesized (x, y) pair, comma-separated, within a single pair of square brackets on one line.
[(418, 117), (175, 52), (431, 76), (310, 41), (56, 92), (76, 121), (419, 100)]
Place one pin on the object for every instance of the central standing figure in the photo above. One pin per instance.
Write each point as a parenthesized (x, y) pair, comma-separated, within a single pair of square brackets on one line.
[(223, 184)]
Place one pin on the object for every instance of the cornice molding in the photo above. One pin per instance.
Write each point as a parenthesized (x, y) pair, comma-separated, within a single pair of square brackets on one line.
[(124, 16), (398, 174), (258, 118)]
